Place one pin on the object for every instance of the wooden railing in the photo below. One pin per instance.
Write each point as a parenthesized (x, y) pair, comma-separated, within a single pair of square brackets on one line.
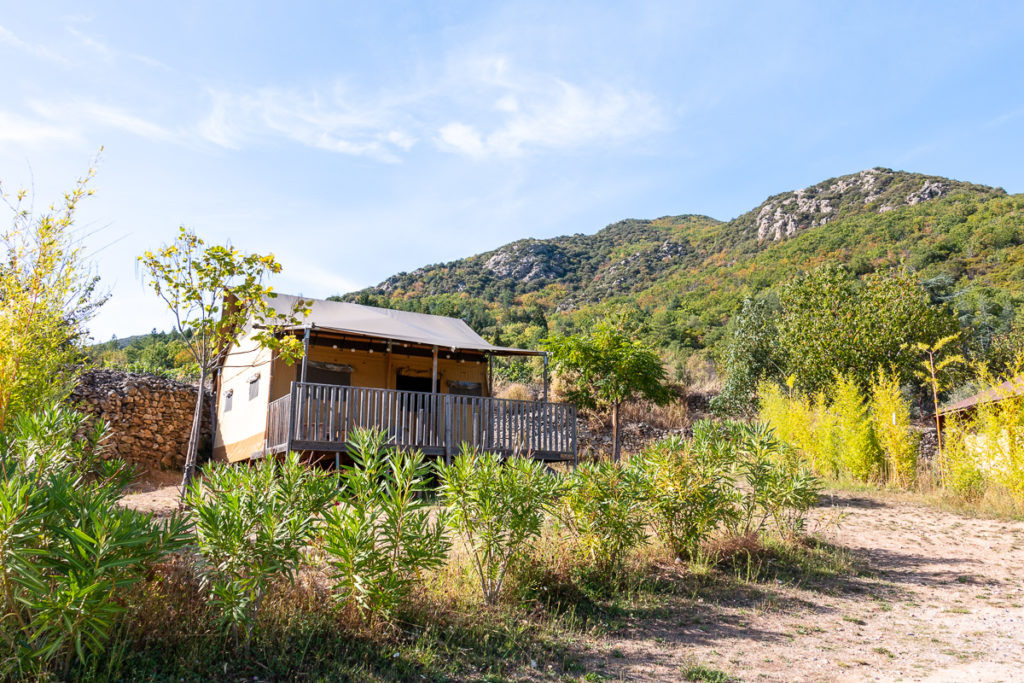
[(320, 417)]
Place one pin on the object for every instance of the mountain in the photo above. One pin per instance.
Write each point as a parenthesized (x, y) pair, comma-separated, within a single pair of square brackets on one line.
[(690, 273)]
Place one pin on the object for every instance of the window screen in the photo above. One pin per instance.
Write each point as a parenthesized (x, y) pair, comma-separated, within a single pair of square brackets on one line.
[(254, 387), (228, 395), (466, 388)]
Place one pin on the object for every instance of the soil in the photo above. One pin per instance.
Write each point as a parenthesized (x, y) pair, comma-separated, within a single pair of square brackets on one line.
[(940, 597)]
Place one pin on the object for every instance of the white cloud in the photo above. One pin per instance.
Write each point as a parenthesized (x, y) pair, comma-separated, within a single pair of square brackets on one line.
[(557, 115), (463, 138), (501, 113), (82, 114), (39, 51), (329, 122), (14, 128)]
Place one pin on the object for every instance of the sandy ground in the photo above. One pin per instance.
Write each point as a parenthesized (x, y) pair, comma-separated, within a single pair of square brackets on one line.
[(940, 598), (156, 492)]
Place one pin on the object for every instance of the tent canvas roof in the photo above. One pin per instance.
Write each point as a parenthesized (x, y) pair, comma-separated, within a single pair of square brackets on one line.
[(1008, 389), (386, 323)]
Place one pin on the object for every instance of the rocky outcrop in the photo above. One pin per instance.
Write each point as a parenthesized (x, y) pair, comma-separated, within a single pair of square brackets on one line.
[(873, 190), (150, 417), (527, 261)]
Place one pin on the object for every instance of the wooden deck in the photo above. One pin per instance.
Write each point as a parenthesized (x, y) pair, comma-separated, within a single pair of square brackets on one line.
[(319, 417)]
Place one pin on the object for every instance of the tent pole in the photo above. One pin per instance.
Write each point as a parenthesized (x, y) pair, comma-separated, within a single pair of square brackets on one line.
[(305, 354), (433, 374), (545, 376)]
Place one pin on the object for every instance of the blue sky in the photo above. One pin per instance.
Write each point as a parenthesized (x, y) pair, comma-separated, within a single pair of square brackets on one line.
[(358, 140)]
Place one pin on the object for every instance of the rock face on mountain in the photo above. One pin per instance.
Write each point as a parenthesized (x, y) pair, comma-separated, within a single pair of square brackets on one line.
[(527, 261), (874, 190)]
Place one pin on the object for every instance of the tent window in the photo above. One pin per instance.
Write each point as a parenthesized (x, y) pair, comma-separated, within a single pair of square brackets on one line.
[(328, 373), (228, 395), (466, 388)]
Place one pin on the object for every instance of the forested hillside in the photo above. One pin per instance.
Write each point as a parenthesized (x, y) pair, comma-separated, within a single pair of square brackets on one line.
[(690, 273)]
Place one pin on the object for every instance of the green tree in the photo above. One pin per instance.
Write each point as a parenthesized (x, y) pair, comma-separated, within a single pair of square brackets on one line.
[(751, 356), (831, 322), (607, 367), (48, 295), (217, 294)]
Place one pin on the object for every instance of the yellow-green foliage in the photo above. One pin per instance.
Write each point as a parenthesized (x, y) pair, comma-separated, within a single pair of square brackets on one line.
[(961, 470), (805, 424), (993, 440), (857, 447), (890, 418)]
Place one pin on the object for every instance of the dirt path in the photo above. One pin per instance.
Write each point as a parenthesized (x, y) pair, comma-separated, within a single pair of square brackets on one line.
[(942, 599)]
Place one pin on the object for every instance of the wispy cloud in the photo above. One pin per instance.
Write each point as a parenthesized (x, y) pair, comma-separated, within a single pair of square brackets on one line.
[(479, 107), (36, 50), (25, 131), (333, 121), (78, 115), (555, 115)]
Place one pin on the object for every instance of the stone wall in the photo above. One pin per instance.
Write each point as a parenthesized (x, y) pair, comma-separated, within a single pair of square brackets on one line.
[(150, 417)]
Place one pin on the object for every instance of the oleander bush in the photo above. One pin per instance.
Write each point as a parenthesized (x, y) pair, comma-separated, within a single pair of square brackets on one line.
[(380, 538), (605, 510), (498, 506), (68, 551), (251, 524)]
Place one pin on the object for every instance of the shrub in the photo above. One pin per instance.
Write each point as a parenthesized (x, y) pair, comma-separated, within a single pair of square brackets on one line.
[(67, 550), (890, 419), (805, 424), (857, 447), (960, 465), (381, 537), (498, 507), (778, 488), (688, 491), (251, 524), (605, 509)]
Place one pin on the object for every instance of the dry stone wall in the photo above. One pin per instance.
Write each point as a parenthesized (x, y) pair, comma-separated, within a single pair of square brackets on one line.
[(150, 417)]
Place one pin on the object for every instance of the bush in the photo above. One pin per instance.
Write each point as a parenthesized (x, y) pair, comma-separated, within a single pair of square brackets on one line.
[(380, 538), (498, 507), (858, 449), (890, 419), (960, 466), (251, 524), (805, 424), (605, 509), (779, 489), (689, 492), (67, 550)]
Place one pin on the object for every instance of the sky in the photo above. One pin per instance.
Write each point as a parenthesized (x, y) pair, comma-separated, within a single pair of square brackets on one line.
[(357, 140)]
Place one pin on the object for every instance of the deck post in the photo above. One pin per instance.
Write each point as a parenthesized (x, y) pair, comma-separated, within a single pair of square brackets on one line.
[(449, 433), (545, 376), (433, 374), (293, 405), (305, 353)]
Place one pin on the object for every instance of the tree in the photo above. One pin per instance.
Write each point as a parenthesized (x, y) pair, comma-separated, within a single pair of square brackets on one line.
[(607, 367), (751, 355), (217, 295), (832, 322), (931, 371), (49, 294)]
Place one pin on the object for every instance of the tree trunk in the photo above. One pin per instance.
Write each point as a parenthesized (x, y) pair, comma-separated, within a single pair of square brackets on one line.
[(615, 432), (193, 438)]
